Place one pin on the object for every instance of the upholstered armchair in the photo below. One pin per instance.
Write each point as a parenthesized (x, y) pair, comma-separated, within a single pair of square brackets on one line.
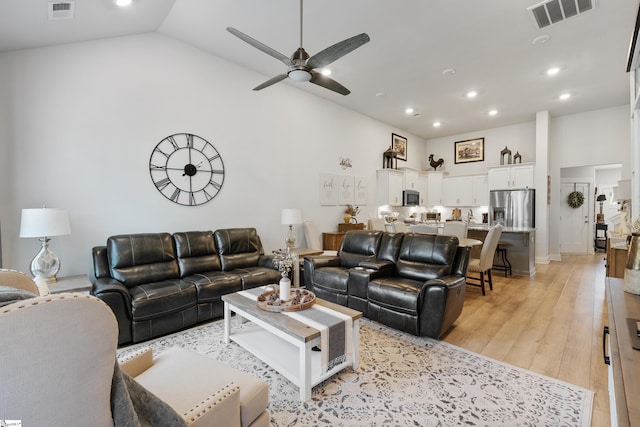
[(58, 368)]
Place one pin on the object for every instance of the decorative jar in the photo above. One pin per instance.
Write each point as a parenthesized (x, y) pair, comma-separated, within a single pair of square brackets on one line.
[(285, 289)]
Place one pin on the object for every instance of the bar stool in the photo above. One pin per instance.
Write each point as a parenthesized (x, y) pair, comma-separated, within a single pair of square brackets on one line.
[(501, 255)]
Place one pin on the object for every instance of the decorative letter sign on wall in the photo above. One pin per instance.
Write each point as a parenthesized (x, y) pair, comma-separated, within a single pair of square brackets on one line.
[(345, 195), (343, 190), (329, 189), (361, 191)]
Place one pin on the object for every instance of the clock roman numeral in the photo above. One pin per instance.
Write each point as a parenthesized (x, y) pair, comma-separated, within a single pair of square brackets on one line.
[(189, 140), (217, 156), (161, 152), (218, 171), (215, 184), (161, 167), (192, 199), (173, 142), (162, 184), (175, 195)]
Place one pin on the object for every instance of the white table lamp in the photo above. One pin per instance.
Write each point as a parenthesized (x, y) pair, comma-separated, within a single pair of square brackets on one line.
[(290, 217), (44, 223)]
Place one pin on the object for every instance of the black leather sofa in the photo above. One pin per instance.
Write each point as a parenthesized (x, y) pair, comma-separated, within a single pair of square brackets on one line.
[(158, 283), (409, 281)]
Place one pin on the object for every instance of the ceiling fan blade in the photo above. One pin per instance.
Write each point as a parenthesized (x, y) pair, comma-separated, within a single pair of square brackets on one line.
[(328, 83), (271, 81), (259, 45), (337, 51)]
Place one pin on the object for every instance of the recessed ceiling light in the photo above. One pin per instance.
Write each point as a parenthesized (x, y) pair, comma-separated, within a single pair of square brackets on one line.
[(122, 3), (449, 72), (541, 39), (553, 71), (380, 94), (437, 124), (493, 112), (564, 96), (326, 72), (471, 94), (409, 110)]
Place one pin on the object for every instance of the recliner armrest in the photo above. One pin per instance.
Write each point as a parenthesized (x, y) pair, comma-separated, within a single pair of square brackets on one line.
[(322, 261), (446, 281), (377, 264)]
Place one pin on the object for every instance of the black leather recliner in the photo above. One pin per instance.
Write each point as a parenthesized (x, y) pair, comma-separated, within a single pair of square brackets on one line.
[(330, 275), (157, 283), (416, 283)]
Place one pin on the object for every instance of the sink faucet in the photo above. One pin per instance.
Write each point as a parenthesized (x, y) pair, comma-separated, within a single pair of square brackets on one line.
[(470, 215)]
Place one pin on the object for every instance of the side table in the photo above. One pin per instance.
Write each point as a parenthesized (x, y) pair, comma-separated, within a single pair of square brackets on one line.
[(79, 283)]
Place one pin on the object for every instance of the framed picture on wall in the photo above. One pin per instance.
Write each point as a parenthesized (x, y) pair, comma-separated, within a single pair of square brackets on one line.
[(471, 150), (399, 144)]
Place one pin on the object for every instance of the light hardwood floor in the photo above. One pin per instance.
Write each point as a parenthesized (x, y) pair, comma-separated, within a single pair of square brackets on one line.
[(550, 323)]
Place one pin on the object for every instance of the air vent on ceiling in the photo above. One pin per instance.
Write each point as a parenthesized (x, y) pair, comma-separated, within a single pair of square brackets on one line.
[(554, 11), (61, 10)]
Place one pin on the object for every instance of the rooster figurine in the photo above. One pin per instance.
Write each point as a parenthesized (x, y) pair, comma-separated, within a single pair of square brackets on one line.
[(435, 163)]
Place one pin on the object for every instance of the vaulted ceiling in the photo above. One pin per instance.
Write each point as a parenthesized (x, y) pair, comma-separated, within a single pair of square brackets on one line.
[(494, 47)]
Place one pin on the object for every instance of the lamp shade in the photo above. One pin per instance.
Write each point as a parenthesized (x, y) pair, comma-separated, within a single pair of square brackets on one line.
[(623, 190), (44, 222), (601, 198), (291, 216)]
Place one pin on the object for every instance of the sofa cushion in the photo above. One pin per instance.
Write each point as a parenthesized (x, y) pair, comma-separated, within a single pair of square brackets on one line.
[(426, 256), (396, 293), (358, 246), (253, 277), (332, 279), (153, 300), (212, 285), (196, 251), (238, 247), (142, 258)]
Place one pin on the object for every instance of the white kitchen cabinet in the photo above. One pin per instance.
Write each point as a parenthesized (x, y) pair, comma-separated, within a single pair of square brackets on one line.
[(389, 185), (480, 190), (410, 179), (423, 189), (457, 191), (434, 189), (511, 177)]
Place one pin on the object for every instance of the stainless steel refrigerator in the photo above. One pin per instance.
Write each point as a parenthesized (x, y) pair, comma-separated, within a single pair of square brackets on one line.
[(513, 208)]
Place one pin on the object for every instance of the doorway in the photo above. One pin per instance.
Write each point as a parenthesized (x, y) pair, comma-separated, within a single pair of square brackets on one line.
[(575, 222)]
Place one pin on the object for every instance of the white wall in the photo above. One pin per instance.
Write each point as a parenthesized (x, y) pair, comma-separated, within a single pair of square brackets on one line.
[(518, 138), (84, 118), (5, 175), (592, 138)]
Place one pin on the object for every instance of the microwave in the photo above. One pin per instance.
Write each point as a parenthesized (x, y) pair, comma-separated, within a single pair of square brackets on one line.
[(410, 198)]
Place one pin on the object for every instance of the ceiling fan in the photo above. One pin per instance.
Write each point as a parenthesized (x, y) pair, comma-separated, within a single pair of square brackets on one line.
[(301, 66)]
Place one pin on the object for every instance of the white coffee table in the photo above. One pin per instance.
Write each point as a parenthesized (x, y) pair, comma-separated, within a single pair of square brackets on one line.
[(284, 343)]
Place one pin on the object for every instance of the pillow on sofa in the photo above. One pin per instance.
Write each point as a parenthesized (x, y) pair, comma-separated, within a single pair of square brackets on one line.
[(9, 295)]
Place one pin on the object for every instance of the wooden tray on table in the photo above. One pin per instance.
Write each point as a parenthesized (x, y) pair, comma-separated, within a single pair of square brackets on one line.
[(301, 299)]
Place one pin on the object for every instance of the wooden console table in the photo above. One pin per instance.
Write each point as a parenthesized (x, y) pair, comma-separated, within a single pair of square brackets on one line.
[(345, 226), (331, 241), (624, 365)]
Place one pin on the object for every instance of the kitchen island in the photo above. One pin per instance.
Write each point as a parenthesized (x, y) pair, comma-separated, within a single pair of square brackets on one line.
[(521, 247)]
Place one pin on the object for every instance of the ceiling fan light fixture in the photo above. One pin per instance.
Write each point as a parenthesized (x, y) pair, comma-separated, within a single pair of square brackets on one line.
[(122, 3), (299, 75)]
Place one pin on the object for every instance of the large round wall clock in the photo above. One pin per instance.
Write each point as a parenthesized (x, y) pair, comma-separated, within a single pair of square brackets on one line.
[(186, 169)]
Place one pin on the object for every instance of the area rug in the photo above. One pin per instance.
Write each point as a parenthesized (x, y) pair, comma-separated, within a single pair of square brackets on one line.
[(403, 380)]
